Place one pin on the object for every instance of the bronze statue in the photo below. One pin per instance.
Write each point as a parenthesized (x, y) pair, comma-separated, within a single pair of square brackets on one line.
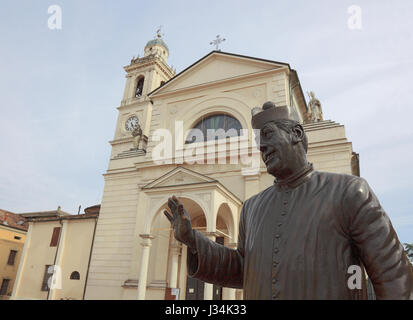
[(299, 238)]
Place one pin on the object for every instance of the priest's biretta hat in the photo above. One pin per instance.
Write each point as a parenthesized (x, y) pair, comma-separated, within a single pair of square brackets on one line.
[(269, 112)]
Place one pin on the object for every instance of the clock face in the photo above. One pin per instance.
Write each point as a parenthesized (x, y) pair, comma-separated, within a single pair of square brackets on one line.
[(131, 123)]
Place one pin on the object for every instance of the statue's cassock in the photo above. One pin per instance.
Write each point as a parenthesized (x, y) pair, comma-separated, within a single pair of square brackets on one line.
[(298, 238)]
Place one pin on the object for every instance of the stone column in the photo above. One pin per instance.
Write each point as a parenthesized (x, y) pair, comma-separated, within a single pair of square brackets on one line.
[(209, 287), (143, 273), (126, 92), (176, 252)]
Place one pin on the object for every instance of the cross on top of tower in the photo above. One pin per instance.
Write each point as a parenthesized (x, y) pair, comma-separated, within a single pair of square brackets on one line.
[(217, 42)]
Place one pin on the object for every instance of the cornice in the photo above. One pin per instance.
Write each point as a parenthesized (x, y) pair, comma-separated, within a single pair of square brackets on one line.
[(219, 82), (153, 61), (134, 102), (121, 140)]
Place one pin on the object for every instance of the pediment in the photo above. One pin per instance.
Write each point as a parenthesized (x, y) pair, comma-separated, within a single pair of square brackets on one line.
[(179, 176), (217, 66)]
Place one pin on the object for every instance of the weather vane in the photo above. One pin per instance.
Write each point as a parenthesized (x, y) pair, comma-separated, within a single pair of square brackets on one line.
[(158, 32), (216, 42)]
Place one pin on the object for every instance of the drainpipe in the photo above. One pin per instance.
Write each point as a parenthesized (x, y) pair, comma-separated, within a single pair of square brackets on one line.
[(57, 250), (90, 257)]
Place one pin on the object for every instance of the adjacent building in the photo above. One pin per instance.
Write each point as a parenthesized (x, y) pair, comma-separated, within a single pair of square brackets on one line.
[(56, 255), (13, 229)]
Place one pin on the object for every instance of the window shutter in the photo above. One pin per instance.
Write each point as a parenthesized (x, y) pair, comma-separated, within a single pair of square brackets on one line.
[(12, 257), (55, 237), (4, 286)]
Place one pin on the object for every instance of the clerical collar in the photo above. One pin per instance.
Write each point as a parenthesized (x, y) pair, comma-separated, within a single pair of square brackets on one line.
[(296, 179)]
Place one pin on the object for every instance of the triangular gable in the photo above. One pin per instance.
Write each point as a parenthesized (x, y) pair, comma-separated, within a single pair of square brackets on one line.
[(217, 66), (179, 176)]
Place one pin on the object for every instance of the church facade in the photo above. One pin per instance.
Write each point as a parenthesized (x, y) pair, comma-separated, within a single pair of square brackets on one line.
[(162, 147)]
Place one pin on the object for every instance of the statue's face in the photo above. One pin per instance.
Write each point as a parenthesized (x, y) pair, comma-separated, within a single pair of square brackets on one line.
[(277, 150)]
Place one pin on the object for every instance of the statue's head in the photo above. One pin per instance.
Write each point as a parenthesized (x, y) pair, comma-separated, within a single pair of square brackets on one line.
[(282, 140)]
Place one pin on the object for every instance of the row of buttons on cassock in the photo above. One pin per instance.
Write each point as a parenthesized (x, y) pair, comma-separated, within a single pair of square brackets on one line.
[(277, 236)]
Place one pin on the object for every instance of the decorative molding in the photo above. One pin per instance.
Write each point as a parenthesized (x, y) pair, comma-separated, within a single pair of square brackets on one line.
[(211, 234), (130, 283), (146, 240), (174, 172), (157, 284), (232, 245), (151, 60), (134, 284), (121, 140), (219, 82)]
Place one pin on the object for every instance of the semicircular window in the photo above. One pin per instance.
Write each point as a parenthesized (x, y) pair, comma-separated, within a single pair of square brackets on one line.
[(75, 276), (217, 126)]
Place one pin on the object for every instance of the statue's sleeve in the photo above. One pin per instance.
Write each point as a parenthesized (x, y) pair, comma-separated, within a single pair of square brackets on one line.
[(218, 264), (378, 246)]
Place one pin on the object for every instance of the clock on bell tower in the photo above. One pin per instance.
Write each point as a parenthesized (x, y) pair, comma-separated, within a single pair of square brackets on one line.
[(143, 75)]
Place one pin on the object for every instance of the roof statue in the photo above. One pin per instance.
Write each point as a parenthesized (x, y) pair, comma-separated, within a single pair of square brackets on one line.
[(314, 112)]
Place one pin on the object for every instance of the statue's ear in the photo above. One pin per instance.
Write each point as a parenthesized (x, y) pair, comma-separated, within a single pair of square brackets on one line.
[(298, 133)]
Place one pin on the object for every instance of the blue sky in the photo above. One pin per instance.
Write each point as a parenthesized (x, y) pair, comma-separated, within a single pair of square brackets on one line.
[(59, 89)]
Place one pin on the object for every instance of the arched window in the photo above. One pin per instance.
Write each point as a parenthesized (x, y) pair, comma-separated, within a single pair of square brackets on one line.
[(139, 87), (75, 276), (217, 126)]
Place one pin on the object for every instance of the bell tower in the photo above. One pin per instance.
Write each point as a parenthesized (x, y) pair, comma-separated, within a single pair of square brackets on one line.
[(143, 75), (115, 244)]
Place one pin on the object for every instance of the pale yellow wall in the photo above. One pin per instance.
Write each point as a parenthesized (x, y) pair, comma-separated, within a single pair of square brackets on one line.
[(38, 255), (112, 252), (76, 257), (8, 243), (75, 243)]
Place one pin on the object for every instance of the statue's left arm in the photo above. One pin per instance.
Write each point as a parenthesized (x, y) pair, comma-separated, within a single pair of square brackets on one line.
[(378, 246)]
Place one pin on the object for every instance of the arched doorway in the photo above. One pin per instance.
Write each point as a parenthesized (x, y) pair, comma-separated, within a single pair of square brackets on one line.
[(167, 259)]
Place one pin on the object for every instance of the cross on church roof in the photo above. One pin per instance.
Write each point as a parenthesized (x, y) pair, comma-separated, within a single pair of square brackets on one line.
[(216, 42)]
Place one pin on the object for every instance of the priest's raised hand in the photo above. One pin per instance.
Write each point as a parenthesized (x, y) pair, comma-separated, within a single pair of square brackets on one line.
[(181, 223)]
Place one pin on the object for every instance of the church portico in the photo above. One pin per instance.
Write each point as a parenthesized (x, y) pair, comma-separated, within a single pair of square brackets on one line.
[(213, 210)]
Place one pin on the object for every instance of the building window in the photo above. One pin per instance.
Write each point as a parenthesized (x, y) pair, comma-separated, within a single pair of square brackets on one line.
[(4, 286), (75, 276), (55, 237), (48, 272), (12, 257), (139, 87), (208, 128), (17, 238)]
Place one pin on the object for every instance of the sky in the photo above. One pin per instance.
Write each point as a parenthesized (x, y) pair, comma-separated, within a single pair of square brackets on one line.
[(59, 88)]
